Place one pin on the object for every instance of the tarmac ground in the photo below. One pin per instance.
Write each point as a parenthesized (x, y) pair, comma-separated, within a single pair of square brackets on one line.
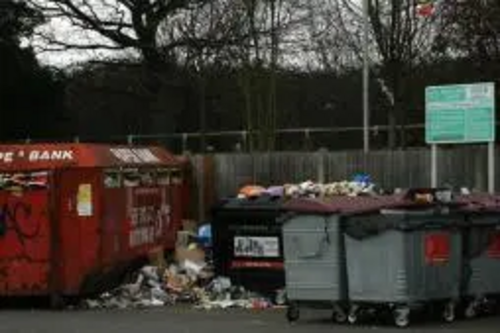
[(185, 319)]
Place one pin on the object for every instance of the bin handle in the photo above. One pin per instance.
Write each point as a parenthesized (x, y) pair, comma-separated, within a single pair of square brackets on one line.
[(325, 240), (285, 217), (431, 226)]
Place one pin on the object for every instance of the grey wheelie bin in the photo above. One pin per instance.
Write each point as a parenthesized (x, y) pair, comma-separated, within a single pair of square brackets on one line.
[(314, 264), (314, 253), (481, 276), (403, 259)]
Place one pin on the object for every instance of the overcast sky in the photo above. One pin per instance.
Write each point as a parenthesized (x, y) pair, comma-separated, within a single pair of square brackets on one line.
[(63, 30)]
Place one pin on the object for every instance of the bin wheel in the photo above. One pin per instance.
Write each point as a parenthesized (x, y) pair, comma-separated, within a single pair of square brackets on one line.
[(402, 317), (449, 312), (353, 317), (292, 313), (471, 311)]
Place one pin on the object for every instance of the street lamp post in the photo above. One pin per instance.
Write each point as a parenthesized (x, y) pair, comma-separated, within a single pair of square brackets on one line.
[(366, 79)]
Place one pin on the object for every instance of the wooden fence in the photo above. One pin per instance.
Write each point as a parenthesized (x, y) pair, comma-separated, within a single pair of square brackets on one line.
[(220, 175)]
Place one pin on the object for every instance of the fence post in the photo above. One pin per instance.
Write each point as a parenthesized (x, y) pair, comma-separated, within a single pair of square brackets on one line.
[(307, 139), (320, 170), (480, 181), (184, 142), (130, 139), (244, 135)]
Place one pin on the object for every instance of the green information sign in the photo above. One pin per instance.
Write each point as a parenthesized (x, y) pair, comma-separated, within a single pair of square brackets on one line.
[(463, 113)]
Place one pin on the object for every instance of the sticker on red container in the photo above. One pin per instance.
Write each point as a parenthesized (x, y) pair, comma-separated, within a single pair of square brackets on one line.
[(437, 248), (494, 246)]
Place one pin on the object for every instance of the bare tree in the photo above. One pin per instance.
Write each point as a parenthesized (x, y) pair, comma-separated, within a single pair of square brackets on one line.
[(244, 36), (399, 40), (121, 24), (324, 41), (471, 29), (267, 23)]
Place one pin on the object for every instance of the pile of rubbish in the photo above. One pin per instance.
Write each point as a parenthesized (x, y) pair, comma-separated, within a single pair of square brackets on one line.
[(359, 185), (187, 282)]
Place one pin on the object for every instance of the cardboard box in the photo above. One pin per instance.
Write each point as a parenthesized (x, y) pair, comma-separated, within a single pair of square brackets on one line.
[(157, 258), (190, 226), (183, 238), (183, 253)]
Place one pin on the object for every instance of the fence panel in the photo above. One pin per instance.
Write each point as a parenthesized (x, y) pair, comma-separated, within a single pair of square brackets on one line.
[(459, 165)]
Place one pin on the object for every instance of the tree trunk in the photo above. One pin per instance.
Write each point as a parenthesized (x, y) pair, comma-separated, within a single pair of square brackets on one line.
[(202, 111), (394, 70)]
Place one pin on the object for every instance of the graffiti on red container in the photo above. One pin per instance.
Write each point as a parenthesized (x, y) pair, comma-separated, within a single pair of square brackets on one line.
[(24, 242), (149, 216), (23, 222)]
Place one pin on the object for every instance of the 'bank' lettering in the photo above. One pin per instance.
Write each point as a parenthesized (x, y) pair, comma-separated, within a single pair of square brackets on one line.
[(50, 155), (6, 157)]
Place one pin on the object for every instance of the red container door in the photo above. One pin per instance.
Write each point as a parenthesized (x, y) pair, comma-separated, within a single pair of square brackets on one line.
[(25, 238), (80, 193), (114, 215), (176, 214)]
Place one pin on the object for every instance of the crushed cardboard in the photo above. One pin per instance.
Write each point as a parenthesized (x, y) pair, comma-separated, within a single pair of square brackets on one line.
[(192, 254), (189, 279)]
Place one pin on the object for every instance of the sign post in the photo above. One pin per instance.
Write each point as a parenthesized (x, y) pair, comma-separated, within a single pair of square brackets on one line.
[(434, 165), (491, 167), (461, 114)]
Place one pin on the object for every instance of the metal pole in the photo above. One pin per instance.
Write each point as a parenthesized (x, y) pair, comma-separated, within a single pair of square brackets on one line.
[(491, 167), (434, 165), (366, 79)]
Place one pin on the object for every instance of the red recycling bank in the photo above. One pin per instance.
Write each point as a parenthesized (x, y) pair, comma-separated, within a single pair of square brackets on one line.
[(75, 216)]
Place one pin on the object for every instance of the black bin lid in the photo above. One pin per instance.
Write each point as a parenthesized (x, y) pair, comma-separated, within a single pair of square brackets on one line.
[(263, 202)]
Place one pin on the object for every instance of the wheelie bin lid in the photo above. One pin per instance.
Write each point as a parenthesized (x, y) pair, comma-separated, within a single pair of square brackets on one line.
[(480, 203), (481, 209), (262, 202)]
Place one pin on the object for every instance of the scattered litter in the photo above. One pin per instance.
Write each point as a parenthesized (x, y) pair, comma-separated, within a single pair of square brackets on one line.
[(188, 280)]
